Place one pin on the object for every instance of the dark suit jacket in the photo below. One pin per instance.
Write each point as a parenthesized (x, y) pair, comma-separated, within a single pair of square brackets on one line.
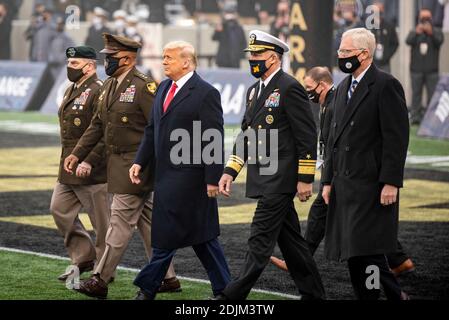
[(283, 108), (183, 215), (366, 149)]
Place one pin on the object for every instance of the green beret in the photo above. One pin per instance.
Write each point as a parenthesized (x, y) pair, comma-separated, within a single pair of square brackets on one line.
[(81, 52)]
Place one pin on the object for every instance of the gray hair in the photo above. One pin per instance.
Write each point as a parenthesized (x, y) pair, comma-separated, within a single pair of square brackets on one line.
[(187, 50), (362, 39)]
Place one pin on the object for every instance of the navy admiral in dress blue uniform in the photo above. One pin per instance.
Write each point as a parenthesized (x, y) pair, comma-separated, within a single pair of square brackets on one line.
[(185, 209), (277, 103)]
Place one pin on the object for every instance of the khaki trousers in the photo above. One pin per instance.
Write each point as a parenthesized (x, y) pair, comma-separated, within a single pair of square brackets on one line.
[(127, 213), (66, 203)]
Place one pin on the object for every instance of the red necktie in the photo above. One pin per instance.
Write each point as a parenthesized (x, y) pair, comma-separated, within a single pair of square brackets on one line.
[(170, 96)]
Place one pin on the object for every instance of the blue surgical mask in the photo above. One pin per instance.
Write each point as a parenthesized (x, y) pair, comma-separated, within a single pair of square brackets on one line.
[(258, 67)]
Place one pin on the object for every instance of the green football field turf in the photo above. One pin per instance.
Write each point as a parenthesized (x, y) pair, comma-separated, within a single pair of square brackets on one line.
[(31, 277)]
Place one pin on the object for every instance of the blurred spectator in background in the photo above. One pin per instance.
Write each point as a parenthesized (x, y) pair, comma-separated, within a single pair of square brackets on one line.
[(157, 11), (446, 16), (265, 10), (280, 28), (57, 58), (231, 38), (5, 31), (387, 41), (119, 17), (425, 42), (132, 33), (391, 9), (348, 19), (13, 7), (436, 7), (94, 38), (41, 33)]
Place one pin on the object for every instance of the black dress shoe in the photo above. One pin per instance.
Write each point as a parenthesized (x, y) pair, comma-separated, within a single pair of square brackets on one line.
[(142, 296)]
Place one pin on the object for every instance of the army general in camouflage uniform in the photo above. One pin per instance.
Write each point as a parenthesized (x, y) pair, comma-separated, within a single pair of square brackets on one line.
[(71, 193), (124, 106)]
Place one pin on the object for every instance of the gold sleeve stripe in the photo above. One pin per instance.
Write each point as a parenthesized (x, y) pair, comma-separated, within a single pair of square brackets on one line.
[(306, 170), (237, 159), (307, 161), (234, 166), (308, 165)]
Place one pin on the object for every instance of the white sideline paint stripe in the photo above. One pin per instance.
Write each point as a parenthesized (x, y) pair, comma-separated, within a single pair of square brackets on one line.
[(55, 257)]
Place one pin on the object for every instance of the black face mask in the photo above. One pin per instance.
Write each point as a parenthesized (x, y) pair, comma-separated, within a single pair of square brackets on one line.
[(313, 95), (349, 64), (258, 68), (74, 75), (111, 65)]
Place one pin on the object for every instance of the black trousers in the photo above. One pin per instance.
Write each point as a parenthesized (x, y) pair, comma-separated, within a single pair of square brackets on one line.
[(276, 220), (359, 276), (316, 225)]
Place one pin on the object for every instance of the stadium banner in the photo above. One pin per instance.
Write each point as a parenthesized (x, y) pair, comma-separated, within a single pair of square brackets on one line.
[(232, 85), (311, 34), (436, 121), (20, 84)]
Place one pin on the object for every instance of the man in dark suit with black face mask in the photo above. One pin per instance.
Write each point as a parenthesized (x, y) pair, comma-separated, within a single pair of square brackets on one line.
[(364, 168)]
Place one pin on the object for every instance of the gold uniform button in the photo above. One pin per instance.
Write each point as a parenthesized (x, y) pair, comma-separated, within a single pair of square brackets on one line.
[(260, 127), (260, 141), (269, 109), (248, 143), (77, 122), (249, 127), (260, 157), (125, 119), (269, 119), (249, 158)]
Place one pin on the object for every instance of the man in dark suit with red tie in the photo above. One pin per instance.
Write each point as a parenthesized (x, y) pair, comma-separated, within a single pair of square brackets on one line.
[(185, 211)]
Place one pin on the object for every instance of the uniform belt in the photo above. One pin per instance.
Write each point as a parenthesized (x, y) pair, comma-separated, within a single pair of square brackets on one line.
[(122, 149)]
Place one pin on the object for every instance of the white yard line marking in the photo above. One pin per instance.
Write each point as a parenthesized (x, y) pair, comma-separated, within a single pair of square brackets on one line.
[(29, 127), (55, 257)]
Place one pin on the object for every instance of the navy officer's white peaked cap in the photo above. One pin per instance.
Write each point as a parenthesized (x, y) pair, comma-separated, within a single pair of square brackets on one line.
[(261, 41)]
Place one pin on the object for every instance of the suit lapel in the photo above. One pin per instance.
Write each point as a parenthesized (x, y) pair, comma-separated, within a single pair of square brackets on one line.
[(359, 95), (266, 93), (123, 85), (252, 102), (183, 93)]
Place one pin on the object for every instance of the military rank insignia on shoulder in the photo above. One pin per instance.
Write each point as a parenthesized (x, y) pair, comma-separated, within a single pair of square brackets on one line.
[(152, 87), (142, 76)]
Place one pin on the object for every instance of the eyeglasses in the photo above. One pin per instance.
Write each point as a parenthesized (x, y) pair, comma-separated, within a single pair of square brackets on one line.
[(345, 52)]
